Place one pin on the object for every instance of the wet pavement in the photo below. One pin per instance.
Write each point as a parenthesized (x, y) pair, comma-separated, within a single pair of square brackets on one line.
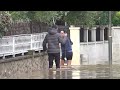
[(86, 72), (76, 72)]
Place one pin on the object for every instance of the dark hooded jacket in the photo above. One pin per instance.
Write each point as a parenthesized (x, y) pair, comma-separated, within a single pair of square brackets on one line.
[(67, 47), (53, 39)]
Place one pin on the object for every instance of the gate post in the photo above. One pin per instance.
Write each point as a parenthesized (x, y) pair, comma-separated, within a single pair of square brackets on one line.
[(75, 38)]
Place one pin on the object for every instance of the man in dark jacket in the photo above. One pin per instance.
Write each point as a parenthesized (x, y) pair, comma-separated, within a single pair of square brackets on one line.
[(53, 40)]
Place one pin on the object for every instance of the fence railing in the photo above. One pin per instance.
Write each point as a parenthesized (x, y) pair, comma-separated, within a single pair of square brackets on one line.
[(16, 44)]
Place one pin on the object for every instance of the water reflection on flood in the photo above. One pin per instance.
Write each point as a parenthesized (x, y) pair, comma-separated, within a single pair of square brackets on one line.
[(76, 72), (87, 72)]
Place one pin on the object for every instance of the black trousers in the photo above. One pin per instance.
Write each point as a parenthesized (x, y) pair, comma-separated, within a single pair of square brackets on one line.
[(51, 57)]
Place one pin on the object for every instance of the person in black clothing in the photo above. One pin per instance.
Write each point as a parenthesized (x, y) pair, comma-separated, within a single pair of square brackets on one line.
[(51, 44)]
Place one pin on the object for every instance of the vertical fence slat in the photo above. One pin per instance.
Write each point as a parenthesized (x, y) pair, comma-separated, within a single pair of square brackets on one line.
[(13, 44), (31, 42)]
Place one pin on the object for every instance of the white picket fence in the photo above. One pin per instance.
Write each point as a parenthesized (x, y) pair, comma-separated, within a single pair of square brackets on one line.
[(16, 44)]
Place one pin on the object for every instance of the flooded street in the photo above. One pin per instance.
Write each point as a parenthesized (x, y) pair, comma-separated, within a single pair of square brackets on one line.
[(76, 72), (87, 72)]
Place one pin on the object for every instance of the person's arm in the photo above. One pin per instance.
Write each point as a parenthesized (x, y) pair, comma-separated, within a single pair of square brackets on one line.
[(44, 43), (71, 42)]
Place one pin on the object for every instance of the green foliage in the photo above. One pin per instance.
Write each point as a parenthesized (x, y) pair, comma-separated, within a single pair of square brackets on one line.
[(19, 15), (72, 18), (48, 17), (90, 18), (116, 19), (81, 17), (102, 18), (4, 22)]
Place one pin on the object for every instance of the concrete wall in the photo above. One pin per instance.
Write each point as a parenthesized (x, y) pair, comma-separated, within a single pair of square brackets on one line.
[(116, 45), (24, 67), (94, 53)]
